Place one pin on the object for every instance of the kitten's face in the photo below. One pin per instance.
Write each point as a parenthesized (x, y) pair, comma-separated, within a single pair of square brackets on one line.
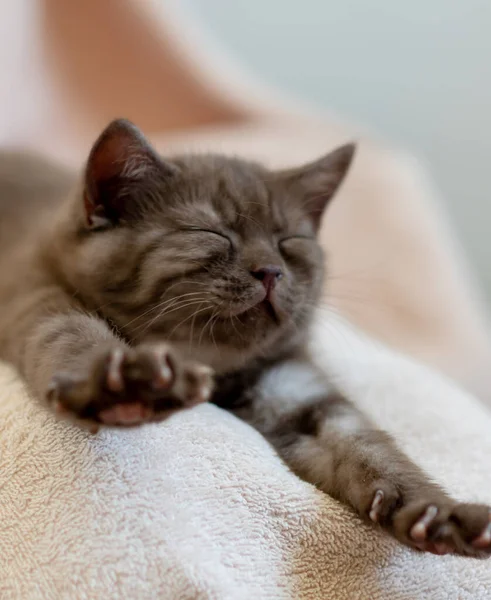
[(217, 255)]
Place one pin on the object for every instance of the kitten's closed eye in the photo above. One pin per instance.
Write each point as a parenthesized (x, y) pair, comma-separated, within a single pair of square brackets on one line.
[(296, 237), (294, 244), (210, 231)]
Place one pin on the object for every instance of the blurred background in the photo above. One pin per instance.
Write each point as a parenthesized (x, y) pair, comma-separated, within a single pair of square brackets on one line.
[(419, 72)]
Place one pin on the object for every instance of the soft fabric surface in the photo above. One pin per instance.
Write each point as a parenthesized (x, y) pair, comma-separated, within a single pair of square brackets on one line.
[(200, 507)]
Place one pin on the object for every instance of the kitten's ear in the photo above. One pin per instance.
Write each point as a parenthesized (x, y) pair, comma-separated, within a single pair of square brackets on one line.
[(318, 181), (121, 163)]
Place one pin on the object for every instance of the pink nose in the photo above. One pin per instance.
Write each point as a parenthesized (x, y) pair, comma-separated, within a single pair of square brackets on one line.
[(268, 275)]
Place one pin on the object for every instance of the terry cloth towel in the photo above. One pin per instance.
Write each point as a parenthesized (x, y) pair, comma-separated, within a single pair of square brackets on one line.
[(200, 507)]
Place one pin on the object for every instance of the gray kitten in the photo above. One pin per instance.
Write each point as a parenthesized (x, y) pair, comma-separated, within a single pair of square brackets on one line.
[(154, 285)]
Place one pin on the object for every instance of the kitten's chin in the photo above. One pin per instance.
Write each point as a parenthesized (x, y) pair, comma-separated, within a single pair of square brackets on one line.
[(238, 352), (252, 313), (271, 311), (236, 342), (244, 307), (262, 305)]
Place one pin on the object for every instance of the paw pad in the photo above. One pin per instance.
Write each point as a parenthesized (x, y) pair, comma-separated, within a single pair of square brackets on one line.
[(126, 387)]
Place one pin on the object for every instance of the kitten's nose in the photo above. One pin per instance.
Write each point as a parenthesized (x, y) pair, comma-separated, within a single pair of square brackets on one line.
[(269, 275)]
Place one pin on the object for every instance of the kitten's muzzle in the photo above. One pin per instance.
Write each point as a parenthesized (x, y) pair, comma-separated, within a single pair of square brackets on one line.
[(269, 275), (264, 297)]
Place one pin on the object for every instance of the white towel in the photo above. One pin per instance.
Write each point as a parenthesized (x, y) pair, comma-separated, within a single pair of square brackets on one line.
[(200, 506)]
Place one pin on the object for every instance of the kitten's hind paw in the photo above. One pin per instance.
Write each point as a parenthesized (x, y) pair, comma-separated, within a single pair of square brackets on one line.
[(439, 527), (463, 529), (126, 387)]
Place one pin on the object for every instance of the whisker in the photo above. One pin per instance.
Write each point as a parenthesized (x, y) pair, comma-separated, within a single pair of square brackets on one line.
[(191, 334), (235, 328), (196, 312), (166, 312), (206, 325), (160, 305), (213, 323)]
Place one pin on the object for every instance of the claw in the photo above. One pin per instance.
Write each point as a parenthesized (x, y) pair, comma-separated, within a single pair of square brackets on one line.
[(484, 540), (376, 504), (114, 376), (420, 529), (52, 391), (165, 374), (202, 383), (59, 408)]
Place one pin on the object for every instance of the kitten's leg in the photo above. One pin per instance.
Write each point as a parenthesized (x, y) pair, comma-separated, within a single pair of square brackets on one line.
[(329, 443), (76, 363)]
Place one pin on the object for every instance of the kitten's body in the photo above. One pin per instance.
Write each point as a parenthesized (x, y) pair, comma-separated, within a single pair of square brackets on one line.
[(119, 292), (31, 189)]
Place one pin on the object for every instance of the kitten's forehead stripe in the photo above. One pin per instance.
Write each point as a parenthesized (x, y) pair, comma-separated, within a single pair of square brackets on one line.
[(235, 189)]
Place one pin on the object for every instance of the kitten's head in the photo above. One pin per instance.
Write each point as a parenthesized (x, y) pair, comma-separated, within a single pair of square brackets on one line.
[(216, 254)]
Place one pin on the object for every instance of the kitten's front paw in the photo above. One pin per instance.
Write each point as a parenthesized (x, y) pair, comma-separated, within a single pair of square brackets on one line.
[(439, 527), (126, 387)]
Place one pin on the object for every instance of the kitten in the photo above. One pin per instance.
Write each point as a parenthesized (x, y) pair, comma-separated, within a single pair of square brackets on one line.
[(154, 285)]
